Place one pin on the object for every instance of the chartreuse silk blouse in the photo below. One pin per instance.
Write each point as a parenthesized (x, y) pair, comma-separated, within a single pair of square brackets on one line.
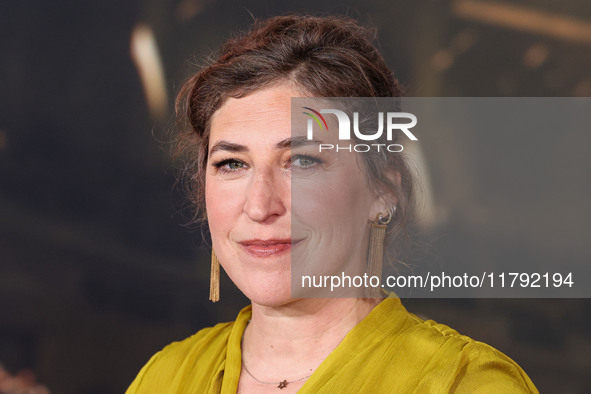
[(390, 351)]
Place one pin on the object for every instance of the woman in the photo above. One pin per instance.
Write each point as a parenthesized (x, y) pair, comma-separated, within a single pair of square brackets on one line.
[(244, 161)]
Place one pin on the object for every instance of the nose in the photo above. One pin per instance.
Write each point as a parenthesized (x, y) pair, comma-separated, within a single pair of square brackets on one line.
[(267, 196)]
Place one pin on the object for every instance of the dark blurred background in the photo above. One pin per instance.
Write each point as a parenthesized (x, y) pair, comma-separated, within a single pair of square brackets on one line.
[(98, 271)]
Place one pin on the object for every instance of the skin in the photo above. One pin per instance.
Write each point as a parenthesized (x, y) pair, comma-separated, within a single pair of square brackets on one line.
[(250, 173)]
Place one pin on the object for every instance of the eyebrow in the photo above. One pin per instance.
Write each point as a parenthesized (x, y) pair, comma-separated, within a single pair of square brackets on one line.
[(293, 142)]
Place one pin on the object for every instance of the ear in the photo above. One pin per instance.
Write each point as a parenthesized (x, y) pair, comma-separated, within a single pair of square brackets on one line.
[(381, 206), (385, 198)]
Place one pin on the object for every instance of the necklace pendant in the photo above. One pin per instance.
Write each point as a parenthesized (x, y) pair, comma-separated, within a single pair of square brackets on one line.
[(282, 385)]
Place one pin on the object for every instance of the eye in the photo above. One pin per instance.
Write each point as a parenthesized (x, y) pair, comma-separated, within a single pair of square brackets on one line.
[(304, 161), (235, 165), (229, 165)]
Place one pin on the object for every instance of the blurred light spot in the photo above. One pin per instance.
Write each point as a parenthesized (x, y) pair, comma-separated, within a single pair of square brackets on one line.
[(535, 56), (583, 88), (464, 40), (187, 9), (3, 140), (442, 60), (524, 19), (144, 52)]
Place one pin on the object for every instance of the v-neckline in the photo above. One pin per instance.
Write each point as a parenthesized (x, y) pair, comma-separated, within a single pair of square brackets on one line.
[(365, 333)]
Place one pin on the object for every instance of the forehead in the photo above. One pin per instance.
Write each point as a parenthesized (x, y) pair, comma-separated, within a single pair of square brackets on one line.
[(265, 111)]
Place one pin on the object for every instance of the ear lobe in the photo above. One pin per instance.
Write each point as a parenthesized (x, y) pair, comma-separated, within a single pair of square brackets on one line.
[(382, 206)]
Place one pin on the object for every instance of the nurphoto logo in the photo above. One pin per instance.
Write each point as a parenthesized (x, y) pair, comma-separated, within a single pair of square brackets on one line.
[(344, 122)]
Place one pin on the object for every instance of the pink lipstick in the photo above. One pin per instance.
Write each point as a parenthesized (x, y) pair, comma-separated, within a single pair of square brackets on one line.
[(266, 248)]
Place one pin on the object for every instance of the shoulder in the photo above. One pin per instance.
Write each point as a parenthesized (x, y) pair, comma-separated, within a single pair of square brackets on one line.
[(207, 346), (208, 338), (462, 363)]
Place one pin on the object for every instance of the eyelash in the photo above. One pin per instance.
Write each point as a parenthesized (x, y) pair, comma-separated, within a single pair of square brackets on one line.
[(221, 164)]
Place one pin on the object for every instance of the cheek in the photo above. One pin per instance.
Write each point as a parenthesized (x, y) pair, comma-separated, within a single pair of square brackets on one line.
[(221, 205), (340, 199)]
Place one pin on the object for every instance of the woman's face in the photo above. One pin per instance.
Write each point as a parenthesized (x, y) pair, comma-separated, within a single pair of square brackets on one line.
[(270, 199)]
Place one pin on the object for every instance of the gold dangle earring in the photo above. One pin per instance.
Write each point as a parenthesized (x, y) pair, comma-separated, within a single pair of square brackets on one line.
[(214, 278), (375, 258)]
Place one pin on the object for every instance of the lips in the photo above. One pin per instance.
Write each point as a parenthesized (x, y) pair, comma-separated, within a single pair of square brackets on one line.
[(267, 248)]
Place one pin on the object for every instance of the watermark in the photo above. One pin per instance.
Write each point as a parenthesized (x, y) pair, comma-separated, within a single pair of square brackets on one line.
[(497, 187), (435, 281), (389, 123), (345, 124)]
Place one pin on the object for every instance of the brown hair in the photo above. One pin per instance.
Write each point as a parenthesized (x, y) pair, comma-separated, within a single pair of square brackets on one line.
[(321, 56)]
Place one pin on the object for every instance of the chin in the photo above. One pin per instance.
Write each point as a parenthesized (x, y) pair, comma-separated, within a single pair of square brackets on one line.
[(270, 296)]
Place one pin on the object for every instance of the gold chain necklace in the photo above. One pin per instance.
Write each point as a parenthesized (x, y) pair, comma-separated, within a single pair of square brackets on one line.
[(280, 385)]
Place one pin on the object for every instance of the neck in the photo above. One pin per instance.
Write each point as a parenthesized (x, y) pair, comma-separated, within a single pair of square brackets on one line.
[(292, 340)]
